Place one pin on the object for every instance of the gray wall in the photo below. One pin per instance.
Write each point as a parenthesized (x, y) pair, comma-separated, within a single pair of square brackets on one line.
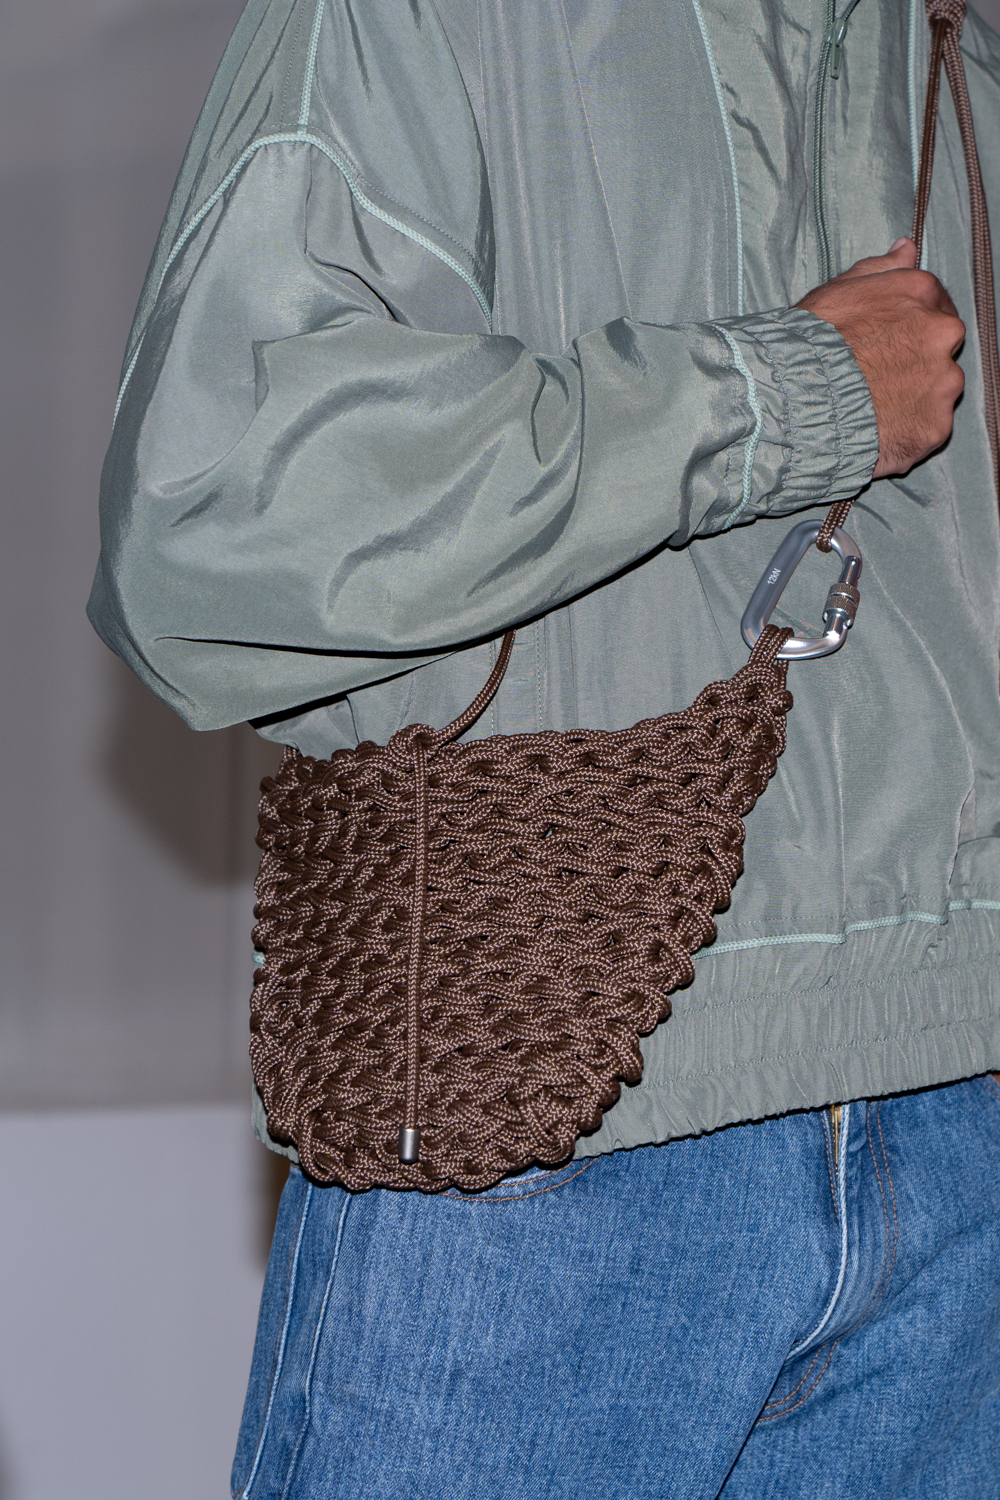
[(127, 839), (131, 1262), (133, 1239)]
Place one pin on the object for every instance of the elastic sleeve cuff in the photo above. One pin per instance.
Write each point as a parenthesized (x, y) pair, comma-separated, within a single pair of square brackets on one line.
[(816, 406)]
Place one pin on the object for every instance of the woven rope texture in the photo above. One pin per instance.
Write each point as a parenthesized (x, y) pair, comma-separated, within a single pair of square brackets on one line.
[(569, 878)]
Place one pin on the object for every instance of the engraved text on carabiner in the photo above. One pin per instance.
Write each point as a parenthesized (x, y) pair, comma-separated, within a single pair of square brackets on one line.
[(841, 602)]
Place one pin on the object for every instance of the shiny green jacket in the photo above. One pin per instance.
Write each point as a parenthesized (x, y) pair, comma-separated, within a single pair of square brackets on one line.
[(480, 313)]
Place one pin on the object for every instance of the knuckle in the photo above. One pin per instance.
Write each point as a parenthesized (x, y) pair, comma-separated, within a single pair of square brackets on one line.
[(946, 417), (924, 284)]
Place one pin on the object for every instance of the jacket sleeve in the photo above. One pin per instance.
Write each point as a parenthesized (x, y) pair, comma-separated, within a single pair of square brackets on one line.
[(325, 470)]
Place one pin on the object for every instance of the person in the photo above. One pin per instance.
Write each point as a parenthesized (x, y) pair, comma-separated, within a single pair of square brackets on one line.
[(466, 316)]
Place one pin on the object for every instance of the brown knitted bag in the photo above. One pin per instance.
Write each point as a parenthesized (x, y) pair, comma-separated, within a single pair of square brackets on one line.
[(463, 942), (467, 940)]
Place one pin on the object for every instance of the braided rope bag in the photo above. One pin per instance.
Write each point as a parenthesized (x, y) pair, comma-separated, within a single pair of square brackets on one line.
[(470, 938)]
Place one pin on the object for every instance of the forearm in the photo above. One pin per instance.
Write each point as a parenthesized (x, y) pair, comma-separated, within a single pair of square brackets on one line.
[(401, 492), (306, 491)]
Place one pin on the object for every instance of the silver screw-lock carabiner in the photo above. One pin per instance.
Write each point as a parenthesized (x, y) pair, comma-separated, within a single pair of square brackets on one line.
[(841, 602)]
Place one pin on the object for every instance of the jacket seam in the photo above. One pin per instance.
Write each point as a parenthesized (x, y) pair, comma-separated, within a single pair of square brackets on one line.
[(911, 91), (750, 449), (352, 176), (288, 70), (305, 103), (307, 139), (836, 939)]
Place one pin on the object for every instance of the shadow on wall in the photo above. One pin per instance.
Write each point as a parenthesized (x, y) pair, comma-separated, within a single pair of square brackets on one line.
[(6, 1486), (196, 793), (271, 1178)]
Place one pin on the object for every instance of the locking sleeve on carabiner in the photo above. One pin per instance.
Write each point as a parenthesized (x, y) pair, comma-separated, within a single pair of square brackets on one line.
[(841, 602)]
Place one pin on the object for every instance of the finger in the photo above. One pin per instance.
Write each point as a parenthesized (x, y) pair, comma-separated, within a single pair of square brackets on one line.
[(925, 288), (902, 256), (935, 295)]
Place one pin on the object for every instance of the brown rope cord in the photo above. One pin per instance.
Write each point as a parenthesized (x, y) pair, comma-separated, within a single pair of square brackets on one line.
[(451, 731), (419, 911), (940, 26), (482, 700), (943, 12), (946, 18)]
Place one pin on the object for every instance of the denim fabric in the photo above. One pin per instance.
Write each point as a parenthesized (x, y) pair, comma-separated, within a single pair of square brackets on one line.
[(729, 1315)]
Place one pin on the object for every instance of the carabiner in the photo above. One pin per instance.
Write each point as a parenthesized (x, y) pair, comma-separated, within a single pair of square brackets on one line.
[(841, 602)]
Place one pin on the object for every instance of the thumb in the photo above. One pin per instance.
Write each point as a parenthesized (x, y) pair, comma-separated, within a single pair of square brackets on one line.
[(901, 256)]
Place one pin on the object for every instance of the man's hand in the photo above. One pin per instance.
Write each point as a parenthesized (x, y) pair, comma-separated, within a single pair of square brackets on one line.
[(904, 332)]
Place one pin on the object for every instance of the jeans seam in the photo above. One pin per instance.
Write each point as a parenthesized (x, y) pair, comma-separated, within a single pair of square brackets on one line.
[(991, 1085), (307, 1417), (887, 1256), (278, 1359), (518, 1197), (829, 1165), (880, 1290), (803, 1344), (771, 1405), (802, 1401)]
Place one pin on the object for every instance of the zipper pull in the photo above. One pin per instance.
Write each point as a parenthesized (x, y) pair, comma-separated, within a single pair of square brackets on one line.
[(835, 34), (836, 1120)]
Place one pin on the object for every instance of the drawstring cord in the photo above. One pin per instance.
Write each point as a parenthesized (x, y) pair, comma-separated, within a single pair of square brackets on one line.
[(409, 1131)]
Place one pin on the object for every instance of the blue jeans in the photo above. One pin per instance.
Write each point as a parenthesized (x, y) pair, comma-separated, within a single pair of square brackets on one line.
[(738, 1315)]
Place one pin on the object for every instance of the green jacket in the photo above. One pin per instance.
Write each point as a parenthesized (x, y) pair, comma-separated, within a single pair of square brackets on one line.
[(466, 315)]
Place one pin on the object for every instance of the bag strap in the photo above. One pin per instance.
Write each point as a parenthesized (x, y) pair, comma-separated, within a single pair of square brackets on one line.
[(945, 18), (458, 726)]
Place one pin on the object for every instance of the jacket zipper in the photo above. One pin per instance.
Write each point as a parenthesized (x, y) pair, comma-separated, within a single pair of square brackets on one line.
[(830, 60)]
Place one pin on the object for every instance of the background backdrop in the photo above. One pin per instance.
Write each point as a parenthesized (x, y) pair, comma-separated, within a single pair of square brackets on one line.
[(136, 1205)]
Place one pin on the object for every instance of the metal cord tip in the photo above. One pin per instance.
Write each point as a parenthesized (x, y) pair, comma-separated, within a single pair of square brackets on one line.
[(409, 1146)]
